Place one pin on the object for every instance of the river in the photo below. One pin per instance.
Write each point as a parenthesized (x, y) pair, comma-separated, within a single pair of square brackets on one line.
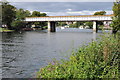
[(24, 53)]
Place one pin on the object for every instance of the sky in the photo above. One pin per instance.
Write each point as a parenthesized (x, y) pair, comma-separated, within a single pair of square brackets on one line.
[(60, 0), (51, 8)]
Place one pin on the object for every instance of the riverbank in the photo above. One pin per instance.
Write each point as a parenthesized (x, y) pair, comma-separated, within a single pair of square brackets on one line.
[(5, 30), (99, 59)]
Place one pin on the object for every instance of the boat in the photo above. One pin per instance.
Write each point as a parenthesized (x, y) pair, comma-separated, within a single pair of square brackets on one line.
[(62, 27), (81, 27)]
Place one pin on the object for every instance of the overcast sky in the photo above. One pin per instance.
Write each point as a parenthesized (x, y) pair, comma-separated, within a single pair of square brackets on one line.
[(61, 0), (66, 8)]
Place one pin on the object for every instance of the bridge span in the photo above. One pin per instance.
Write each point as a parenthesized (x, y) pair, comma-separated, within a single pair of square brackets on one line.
[(53, 19)]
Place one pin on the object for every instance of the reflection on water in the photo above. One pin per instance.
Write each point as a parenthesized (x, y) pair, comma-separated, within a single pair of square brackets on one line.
[(25, 53)]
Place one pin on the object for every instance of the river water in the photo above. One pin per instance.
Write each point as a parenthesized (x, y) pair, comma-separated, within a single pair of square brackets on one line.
[(24, 53)]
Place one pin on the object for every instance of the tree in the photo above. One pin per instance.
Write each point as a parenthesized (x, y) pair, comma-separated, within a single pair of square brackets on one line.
[(0, 14), (116, 19), (27, 13), (35, 14), (61, 24), (0, 10), (79, 23), (38, 14), (100, 13), (90, 24), (43, 14), (8, 14), (21, 14), (19, 23)]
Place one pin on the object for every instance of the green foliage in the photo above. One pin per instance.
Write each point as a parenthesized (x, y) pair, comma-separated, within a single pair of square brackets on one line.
[(61, 24), (38, 14), (115, 24), (35, 14), (90, 24), (0, 10), (5, 30), (8, 14), (73, 25), (100, 27), (80, 23), (116, 19), (0, 14), (27, 13), (100, 13), (18, 25), (14, 18), (97, 60), (116, 9), (21, 14), (76, 25), (43, 14), (45, 27)]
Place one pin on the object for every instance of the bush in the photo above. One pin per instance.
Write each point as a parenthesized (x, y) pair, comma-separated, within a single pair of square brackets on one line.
[(45, 27), (73, 25), (99, 59), (18, 25)]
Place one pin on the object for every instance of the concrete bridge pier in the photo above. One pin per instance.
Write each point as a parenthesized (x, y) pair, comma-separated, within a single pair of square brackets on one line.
[(95, 29), (51, 26)]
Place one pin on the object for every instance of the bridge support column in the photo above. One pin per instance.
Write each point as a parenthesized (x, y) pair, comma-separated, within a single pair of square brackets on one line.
[(95, 29), (48, 26), (51, 27)]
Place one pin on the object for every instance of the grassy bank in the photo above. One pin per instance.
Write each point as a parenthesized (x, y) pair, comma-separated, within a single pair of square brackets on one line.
[(96, 60), (5, 30)]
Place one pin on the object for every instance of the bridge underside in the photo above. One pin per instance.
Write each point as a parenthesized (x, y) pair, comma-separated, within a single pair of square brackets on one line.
[(52, 26)]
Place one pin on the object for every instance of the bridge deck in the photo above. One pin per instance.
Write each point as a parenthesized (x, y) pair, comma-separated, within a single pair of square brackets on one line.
[(71, 18)]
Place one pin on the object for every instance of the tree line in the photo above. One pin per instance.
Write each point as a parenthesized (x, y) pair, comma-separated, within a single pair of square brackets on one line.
[(13, 18)]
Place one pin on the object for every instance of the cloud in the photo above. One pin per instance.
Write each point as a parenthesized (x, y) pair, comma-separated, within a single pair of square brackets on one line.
[(86, 12), (66, 8), (73, 13), (63, 6), (61, 0), (69, 9)]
